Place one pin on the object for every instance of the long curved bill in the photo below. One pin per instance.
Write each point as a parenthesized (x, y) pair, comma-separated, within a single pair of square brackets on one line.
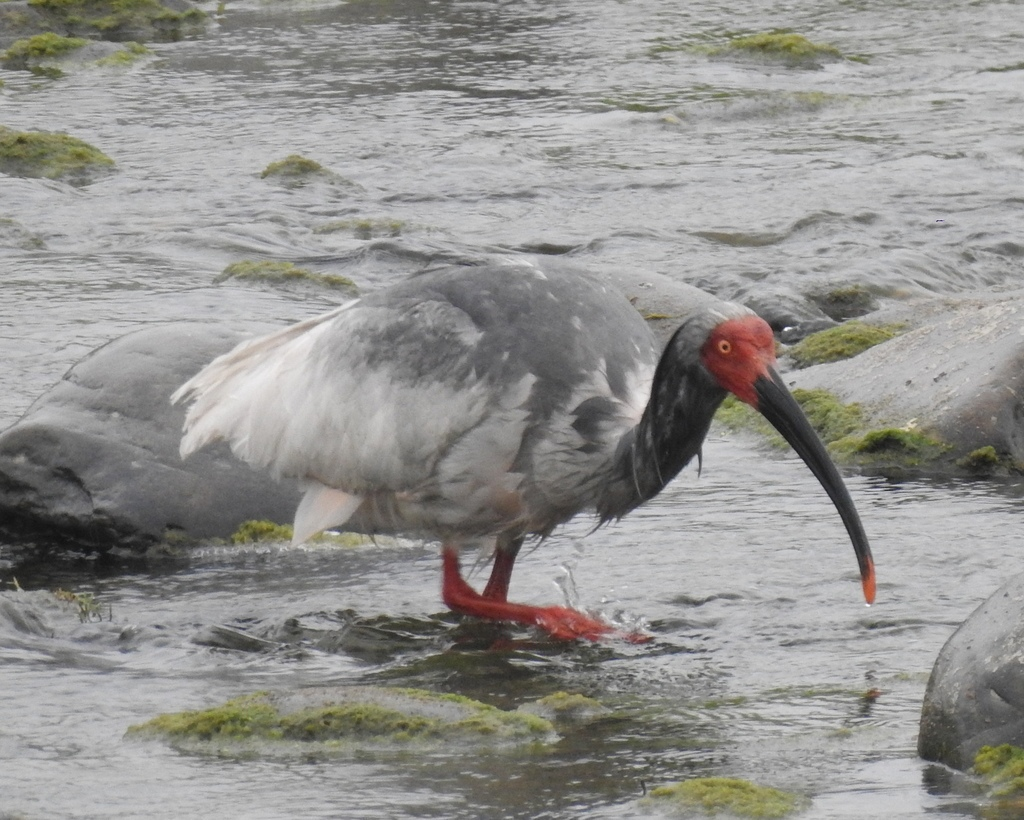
[(776, 403)]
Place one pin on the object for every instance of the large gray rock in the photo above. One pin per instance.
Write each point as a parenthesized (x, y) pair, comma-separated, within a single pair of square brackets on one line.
[(95, 459), (975, 695), (957, 375)]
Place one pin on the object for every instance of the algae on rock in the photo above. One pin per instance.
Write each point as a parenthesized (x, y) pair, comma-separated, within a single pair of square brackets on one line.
[(842, 342), (737, 798), (283, 272), (120, 20), (51, 156), (342, 719), (21, 54)]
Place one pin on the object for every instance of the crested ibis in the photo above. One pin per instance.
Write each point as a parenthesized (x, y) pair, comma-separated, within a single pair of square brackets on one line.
[(493, 402)]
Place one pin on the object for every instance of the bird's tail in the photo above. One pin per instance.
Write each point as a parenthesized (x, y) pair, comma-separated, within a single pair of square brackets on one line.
[(251, 375)]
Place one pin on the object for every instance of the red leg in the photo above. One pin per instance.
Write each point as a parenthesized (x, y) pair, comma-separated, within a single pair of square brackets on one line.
[(558, 621), (505, 553)]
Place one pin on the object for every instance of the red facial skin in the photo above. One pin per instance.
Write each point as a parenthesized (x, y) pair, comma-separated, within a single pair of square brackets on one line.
[(739, 351)]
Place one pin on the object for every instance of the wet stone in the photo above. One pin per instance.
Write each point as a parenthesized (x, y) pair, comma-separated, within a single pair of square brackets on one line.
[(975, 695), (96, 458)]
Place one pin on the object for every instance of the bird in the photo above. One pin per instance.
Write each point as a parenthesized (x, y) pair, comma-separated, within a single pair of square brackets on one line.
[(481, 405)]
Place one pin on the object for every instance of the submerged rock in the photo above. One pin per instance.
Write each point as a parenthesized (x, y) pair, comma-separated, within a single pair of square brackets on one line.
[(95, 459), (285, 273), (975, 695), (566, 708), (52, 156), (328, 720), (116, 20), (726, 795)]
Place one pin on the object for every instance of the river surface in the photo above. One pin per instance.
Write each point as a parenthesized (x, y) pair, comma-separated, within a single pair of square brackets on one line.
[(459, 130)]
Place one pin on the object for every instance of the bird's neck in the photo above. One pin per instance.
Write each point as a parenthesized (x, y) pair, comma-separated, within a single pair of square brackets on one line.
[(671, 432)]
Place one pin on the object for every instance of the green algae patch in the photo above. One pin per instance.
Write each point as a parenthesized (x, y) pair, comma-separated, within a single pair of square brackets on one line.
[(121, 20), (253, 532), (263, 531), (780, 46), (338, 719), (1002, 768), (891, 446), (985, 461), (843, 429), (22, 54), (838, 343), (129, 55), (738, 798), (282, 273), (844, 302), (363, 228), (832, 419), (566, 707), (50, 156), (295, 170), (293, 165)]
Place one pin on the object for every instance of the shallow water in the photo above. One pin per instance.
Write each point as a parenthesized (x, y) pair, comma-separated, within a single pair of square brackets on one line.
[(488, 128)]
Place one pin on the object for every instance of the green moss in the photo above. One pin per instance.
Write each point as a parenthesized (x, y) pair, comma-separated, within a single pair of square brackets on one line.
[(52, 156), (782, 45), (842, 342), (892, 446), (239, 718), (737, 700), (425, 718), (258, 531), (272, 271), (983, 460), (47, 45), (739, 798), (295, 170), (121, 19), (841, 428), (1002, 767), (737, 415), (845, 302), (831, 418), (363, 228), (251, 532), (568, 702), (293, 166), (131, 53)]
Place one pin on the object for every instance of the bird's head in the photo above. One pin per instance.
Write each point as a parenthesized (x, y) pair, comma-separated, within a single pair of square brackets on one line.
[(739, 353)]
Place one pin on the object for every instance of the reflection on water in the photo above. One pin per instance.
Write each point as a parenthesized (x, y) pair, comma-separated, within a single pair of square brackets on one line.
[(479, 128)]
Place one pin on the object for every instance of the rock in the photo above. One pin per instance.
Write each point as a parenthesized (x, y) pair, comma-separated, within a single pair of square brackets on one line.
[(51, 156), (790, 315), (95, 459), (957, 376), (329, 720), (121, 21), (975, 696)]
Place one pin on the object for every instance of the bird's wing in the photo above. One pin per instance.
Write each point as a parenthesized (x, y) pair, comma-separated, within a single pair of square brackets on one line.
[(366, 398)]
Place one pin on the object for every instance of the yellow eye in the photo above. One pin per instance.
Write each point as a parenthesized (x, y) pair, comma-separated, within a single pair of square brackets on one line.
[(724, 347)]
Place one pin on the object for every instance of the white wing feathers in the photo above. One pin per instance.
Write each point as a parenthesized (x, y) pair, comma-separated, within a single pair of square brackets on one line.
[(223, 392), (316, 402)]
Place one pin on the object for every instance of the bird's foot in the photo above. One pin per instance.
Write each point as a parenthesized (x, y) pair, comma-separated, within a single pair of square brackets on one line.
[(566, 624)]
